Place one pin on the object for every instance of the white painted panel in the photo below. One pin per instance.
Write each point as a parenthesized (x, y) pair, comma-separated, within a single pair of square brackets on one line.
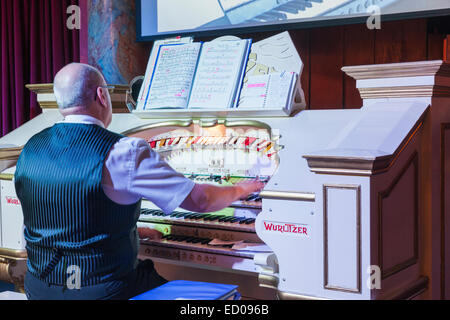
[(342, 257), (12, 217)]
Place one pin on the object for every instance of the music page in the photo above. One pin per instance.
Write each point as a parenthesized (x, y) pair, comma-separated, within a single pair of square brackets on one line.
[(219, 74), (172, 77)]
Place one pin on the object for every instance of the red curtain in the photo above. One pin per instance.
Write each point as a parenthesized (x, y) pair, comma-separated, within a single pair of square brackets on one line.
[(35, 44)]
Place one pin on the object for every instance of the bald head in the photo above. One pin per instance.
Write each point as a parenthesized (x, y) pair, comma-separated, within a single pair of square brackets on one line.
[(76, 84)]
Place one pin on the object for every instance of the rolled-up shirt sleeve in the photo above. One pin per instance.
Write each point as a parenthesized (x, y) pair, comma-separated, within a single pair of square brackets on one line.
[(133, 171)]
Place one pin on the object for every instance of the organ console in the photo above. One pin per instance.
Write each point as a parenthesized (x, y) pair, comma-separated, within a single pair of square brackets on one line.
[(352, 198)]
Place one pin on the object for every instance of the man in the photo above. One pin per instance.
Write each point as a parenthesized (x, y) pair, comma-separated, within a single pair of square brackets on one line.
[(81, 185)]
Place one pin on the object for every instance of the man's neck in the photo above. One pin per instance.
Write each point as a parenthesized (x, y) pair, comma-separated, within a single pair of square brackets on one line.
[(83, 118), (77, 114)]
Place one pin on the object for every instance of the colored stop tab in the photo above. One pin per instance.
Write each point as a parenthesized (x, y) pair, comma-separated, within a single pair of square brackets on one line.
[(153, 144), (249, 141)]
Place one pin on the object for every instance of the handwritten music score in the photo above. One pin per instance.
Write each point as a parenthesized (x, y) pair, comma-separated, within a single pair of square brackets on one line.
[(219, 75), (173, 75)]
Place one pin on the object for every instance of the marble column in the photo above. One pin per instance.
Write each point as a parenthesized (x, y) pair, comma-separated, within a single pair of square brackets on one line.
[(112, 46)]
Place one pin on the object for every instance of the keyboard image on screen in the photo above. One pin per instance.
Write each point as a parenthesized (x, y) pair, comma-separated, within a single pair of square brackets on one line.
[(257, 11)]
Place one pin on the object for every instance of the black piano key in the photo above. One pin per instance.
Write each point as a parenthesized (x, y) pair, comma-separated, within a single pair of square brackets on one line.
[(224, 219), (206, 241), (245, 221), (196, 240), (234, 220), (190, 239), (201, 216), (252, 197), (250, 221), (196, 216), (189, 215), (214, 218), (183, 238), (228, 219)]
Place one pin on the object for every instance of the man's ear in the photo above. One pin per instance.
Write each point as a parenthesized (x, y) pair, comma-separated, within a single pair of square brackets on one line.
[(102, 97)]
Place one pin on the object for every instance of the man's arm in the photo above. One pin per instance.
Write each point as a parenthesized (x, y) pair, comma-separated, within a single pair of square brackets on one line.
[(210, 198)]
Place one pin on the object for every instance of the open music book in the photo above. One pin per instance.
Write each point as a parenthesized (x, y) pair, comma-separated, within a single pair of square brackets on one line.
[(198, 75)]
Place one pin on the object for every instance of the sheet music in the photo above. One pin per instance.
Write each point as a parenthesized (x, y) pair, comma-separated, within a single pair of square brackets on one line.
[(172, 78), (280, 90), (254, 93), (219, 73), (272, 91), (151, 66)]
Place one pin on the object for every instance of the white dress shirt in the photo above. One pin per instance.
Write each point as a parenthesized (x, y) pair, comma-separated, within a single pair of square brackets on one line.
[(132, 171)]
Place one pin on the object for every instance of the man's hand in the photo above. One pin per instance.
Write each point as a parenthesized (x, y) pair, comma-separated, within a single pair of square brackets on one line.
[(210, 198), (246, 188), (147, 233)]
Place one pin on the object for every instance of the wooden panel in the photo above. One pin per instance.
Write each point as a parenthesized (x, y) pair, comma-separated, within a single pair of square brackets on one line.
[(447, 48), (445, 211), (398, 221), (401, 41), (326, 86), (359, 44), (301, 40), (435, 46)]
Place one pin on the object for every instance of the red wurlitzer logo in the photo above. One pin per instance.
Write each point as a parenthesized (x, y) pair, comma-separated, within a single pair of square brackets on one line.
[(291, 228), (14, 201)]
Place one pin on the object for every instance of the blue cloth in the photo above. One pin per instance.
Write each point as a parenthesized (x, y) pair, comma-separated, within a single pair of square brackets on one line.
[(69, 221), (190, 290)]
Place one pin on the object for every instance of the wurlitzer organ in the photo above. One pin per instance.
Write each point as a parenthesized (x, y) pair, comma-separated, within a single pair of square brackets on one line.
[(345, 190)]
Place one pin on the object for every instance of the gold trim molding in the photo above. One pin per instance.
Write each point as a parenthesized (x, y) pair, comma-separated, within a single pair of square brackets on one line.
[(117, 92), (13, 254), (6, 177)]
